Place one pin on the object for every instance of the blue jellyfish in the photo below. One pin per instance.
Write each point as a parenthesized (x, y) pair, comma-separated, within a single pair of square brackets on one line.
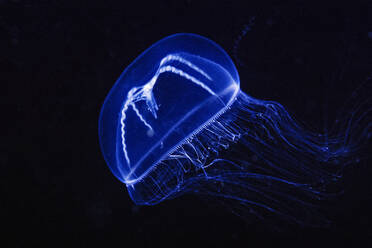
[(176, 122)]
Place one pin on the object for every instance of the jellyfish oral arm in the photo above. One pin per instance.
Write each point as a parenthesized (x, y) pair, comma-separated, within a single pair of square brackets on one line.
[(145, 93), (178, 58), (174, 70)]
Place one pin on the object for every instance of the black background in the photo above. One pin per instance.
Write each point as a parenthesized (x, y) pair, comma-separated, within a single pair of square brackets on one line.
[(58, 61)]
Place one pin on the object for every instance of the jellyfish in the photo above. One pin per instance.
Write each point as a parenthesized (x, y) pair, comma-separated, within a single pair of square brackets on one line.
[(176, 122)]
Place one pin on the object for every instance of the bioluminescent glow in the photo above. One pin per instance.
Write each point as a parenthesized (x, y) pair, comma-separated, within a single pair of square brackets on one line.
[(176, 121)]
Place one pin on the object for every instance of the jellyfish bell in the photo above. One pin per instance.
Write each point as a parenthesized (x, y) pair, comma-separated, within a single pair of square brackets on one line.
[(160, 101)]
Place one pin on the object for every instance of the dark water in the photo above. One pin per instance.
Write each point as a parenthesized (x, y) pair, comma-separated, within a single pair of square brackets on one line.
[(58, 61)]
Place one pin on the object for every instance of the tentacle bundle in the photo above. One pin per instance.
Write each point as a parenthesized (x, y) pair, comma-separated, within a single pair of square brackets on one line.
[(256, 159)]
